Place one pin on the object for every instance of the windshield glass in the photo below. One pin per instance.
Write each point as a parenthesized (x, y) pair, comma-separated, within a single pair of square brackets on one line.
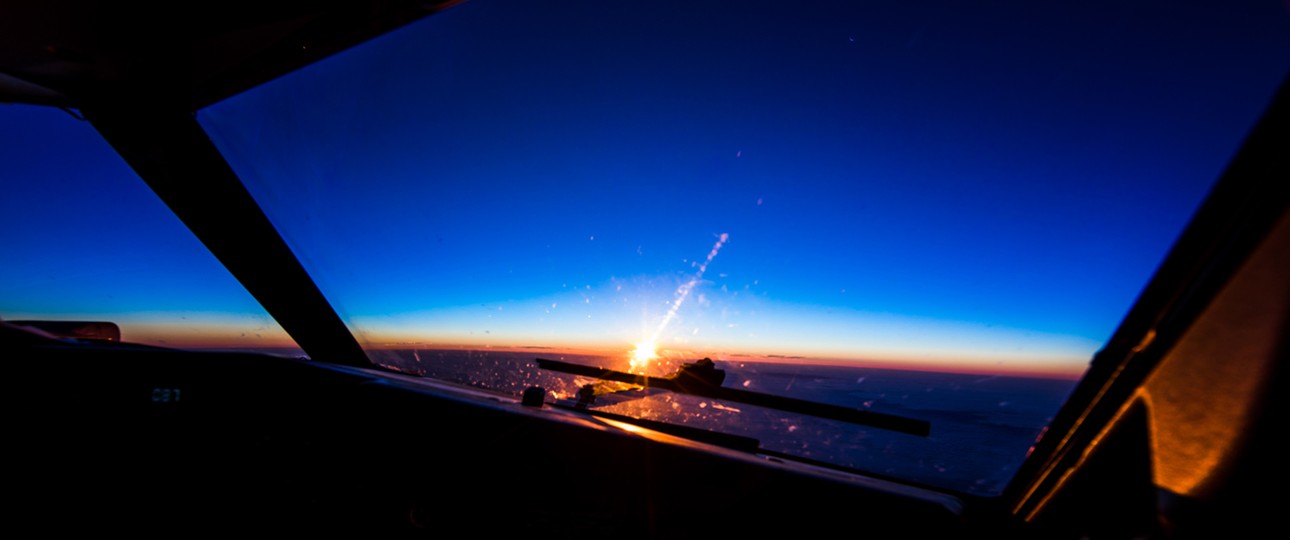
[(927, 209), (84, 239)]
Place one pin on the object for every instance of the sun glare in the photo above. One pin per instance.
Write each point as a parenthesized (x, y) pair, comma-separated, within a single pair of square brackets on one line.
[(643, 354)]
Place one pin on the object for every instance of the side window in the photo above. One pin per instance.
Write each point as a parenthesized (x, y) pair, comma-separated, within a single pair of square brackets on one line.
[(83, 238)]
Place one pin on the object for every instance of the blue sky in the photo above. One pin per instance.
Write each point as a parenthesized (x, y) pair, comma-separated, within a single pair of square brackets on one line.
[(904, 181)]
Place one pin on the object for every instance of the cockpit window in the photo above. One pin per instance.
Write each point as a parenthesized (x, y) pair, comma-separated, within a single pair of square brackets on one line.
[(84, 239), (933, 210)]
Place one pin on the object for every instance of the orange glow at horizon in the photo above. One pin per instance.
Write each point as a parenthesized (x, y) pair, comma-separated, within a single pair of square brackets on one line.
[(206, 337), (1038, 365)]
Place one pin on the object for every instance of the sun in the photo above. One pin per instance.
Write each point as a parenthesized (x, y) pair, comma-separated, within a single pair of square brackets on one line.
[(644, 352)]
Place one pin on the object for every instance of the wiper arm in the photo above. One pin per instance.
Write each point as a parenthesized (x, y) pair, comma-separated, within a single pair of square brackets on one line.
[(703, 379)]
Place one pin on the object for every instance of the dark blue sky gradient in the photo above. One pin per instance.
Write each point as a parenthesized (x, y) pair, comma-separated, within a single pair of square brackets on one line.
[(971, 179), (84, 238)]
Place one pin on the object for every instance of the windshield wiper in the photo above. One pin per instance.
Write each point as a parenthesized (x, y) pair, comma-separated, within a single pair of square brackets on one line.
[(702, 378)]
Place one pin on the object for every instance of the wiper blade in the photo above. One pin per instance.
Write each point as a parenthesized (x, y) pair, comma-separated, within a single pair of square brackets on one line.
[(704, 380)]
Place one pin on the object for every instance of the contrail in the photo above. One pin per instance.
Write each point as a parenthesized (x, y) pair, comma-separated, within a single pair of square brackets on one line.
[(684, 290)]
